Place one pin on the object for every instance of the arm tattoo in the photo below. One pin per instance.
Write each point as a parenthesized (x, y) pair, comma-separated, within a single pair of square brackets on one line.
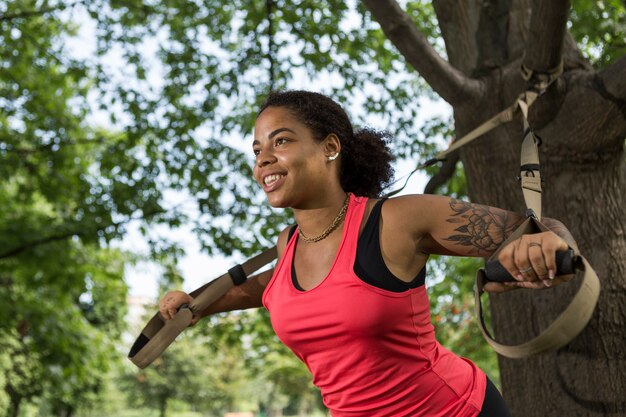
[(483, 227)]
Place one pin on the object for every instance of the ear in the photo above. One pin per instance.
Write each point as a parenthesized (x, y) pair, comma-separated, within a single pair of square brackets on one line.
[(332, 146)]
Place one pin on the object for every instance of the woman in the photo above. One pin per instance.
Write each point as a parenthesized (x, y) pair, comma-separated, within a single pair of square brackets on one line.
[(347, 294)]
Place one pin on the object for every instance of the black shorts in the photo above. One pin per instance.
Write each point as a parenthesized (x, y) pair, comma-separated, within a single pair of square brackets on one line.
[(494, 405)]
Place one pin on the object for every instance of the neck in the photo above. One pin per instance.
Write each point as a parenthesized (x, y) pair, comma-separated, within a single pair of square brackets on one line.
[(313, 221)]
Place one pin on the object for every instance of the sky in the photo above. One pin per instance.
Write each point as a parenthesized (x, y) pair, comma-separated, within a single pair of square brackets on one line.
[(197, 267)]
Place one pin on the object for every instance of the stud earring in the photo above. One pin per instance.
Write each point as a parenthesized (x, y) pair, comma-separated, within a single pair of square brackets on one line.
[(332, 158)]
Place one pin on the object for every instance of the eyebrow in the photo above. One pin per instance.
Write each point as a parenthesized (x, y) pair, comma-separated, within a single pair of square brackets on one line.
[(274, 133)]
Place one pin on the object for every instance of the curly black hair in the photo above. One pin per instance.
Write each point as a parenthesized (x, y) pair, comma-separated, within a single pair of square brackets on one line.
[(365, 157)]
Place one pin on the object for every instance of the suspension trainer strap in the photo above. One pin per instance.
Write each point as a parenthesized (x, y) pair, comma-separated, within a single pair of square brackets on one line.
[(530, 175), (566, 326), (578, 313), (158, 334), (538, 82), (503, 117)]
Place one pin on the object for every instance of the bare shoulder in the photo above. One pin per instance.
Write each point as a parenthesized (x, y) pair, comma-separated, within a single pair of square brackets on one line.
[(405, 222), (414, 212)]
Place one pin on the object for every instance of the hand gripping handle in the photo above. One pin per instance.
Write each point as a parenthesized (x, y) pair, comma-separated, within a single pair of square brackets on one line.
[(565, 264), (158, 334)]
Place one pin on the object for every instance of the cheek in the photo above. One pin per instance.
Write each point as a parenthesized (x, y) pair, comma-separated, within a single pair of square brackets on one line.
[(318, 168), (255, 172)]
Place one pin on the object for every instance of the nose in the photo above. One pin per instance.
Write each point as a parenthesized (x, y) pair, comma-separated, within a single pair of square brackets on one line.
[(265, 158)]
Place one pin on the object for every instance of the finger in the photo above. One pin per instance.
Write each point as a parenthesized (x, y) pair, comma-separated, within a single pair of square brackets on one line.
[(507, 260), (172, 311), (163, 306), (498, 287), (163, 311), (522, 262), (549, 254), (537, 260), (546, 283), (531, 285), (552, 244)]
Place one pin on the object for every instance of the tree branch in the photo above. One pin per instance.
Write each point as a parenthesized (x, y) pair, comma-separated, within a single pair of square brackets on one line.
[(451, 84), (457, 23), (48, 239), (548, 22), (48, 147), (32, 13), (82, 231), (491, 36), (269, 4), (444, 174), (544, 52), (614, 79)]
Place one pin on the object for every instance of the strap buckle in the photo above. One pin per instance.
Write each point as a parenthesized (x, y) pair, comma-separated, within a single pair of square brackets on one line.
[(530, 213), (539, 81), (528, 170)]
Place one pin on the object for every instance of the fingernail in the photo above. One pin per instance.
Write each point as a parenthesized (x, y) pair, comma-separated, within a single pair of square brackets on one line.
[(551, 274), (547, 283), (519, 277)]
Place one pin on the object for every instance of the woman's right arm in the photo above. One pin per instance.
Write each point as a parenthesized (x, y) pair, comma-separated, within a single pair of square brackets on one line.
[(246, 295), (241, 297)]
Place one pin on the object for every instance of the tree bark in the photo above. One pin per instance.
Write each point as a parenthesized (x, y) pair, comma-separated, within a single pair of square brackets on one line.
[(582, 122)]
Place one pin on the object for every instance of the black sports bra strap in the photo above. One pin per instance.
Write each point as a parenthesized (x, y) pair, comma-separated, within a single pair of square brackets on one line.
[(374, 217), (291, 232)]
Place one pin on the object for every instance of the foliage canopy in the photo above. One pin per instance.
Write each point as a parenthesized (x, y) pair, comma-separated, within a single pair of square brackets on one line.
[(95, 137)]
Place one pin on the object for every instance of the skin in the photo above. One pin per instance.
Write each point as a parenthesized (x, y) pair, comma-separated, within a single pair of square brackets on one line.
[(411, 228)]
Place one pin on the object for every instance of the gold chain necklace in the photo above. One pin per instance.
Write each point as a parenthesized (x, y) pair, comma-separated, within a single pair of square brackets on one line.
[(336, 222)]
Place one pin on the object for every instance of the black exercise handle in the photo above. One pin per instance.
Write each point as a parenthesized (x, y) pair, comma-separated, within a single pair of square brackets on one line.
[(565, 264)]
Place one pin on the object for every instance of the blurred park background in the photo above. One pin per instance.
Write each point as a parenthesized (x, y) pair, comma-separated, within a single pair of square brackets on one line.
[(125, 171)]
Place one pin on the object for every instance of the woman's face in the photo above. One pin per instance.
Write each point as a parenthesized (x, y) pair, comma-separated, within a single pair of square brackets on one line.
[(291, 165)]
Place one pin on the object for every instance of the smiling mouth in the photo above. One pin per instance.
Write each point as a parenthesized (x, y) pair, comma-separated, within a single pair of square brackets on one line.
[(271, 179)]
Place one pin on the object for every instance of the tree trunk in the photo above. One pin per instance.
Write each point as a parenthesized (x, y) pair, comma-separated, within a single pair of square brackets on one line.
[(583, 162), (582, 122)]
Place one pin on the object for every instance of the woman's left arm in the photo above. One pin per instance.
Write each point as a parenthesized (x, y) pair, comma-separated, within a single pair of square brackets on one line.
[(447, 226)]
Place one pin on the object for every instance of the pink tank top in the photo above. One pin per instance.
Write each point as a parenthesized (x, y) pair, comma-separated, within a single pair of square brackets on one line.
[(372, 352)]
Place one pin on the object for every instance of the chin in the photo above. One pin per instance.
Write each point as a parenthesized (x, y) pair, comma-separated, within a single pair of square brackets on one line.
[(277, 201)]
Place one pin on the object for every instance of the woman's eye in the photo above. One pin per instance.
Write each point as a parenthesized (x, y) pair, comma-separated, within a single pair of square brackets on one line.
[(256, 152), (280, 141)]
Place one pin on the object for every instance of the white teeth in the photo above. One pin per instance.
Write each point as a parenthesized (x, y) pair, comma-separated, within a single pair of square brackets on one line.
[(271, 179)]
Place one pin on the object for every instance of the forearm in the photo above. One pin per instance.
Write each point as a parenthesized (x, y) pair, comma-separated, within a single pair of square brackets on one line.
[(241, 297)]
